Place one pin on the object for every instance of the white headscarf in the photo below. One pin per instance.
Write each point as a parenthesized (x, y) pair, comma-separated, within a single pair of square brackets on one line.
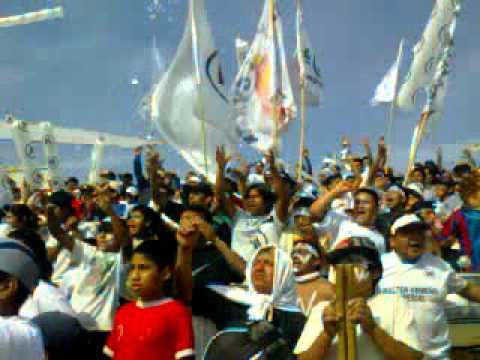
[(283, 296)]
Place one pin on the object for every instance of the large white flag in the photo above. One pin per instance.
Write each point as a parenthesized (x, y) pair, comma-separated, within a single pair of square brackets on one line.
[(262, 100), (427, 52), (188, 104), (305, 65), (28, 153), (386, 91)]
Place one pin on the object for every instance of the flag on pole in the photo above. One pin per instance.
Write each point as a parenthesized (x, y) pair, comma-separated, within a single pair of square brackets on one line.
[(188, 102), (51, 156), (427, 52), (263, 104), (305, 64), (386, 91)]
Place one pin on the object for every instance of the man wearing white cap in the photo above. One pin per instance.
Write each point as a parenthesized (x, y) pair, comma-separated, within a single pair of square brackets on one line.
[(19, 275), (424, 280)]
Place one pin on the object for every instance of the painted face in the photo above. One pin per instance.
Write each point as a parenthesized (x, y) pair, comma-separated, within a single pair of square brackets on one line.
[(365, 209), (409, 246), (146, 279), (263, 271), (255, 204), (305, 259)]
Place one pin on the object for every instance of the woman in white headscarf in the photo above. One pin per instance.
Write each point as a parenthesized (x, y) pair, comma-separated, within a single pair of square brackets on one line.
[(269, 303)]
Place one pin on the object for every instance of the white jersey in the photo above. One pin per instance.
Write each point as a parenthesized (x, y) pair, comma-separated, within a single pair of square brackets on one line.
[(425, 285), (392, 314)]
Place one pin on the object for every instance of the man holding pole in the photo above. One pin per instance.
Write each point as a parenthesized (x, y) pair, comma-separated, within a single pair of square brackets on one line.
[(383, 327)]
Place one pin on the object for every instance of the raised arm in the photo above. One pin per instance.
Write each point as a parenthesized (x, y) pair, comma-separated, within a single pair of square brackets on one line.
[(281, 205), (142, 182), (379, 162), (220, 195), (322, 204), (121, 237)]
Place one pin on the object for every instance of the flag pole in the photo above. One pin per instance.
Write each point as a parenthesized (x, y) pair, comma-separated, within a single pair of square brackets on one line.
[(198, 81), (275, 100), (301, 64), (416, 140), (393, 105)]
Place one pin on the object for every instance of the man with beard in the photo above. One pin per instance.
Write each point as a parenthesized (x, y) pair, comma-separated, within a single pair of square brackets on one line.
[(308, 260)]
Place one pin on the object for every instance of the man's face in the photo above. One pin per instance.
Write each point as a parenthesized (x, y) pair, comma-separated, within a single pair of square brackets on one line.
[(357, 165), (305, 261), (428, 215), (473, 200), (71, 186), (136, 223), (303, 224), (392, 199), (365, 209), (409, 246), (412, 200), (381, 182), (255, 203), (440, 190), (105, 242), (198, 198), (417, 177), (263, 271)]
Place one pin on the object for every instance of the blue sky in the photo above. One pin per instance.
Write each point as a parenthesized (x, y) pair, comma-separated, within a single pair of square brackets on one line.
[(77, 71)]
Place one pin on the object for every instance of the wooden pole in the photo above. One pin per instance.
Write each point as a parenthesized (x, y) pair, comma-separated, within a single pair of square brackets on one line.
[(340, 283), (198, 81), (350, 328)]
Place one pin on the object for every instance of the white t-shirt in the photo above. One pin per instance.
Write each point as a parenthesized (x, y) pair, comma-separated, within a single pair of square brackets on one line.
[(95, 290), (45, 298), (20, 340), (425, 285), (251, 232), (391, 314), (342, 227)]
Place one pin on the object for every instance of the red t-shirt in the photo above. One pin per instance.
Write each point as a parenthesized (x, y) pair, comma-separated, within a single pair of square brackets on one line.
[(160, 330)]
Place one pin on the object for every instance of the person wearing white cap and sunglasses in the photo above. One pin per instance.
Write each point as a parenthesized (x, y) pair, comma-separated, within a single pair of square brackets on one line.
[(424, 280), (19, 275)]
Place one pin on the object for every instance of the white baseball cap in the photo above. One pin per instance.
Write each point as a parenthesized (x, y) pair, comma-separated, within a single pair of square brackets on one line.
[(403, 221)]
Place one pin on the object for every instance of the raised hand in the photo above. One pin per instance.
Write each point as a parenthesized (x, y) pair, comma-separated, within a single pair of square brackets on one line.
[(221, 157), (330, 320)]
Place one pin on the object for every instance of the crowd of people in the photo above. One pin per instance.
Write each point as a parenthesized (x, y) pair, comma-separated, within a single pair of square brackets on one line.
[(151, 265)]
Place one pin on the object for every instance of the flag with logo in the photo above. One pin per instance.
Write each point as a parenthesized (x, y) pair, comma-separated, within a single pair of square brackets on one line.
[(262, 96), (427, 52), (188, 104)]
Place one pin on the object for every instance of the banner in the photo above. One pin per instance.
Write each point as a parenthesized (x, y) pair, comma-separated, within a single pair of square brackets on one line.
[(427, 52)]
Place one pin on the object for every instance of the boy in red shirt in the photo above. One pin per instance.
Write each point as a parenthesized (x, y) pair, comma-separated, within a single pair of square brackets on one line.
[(155, 327)]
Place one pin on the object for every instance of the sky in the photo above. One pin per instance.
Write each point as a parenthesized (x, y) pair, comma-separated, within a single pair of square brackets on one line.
[(78, 71)]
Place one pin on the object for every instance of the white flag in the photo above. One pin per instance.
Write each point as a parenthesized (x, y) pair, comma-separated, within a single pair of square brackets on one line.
[(241, 50), (263, 104), (28, 154), (190, 93), (427, 52), (386, 91), (305, 64), (51, 156)]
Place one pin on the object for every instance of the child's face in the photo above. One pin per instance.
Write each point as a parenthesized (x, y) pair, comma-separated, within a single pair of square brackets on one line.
[(146, 279)]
